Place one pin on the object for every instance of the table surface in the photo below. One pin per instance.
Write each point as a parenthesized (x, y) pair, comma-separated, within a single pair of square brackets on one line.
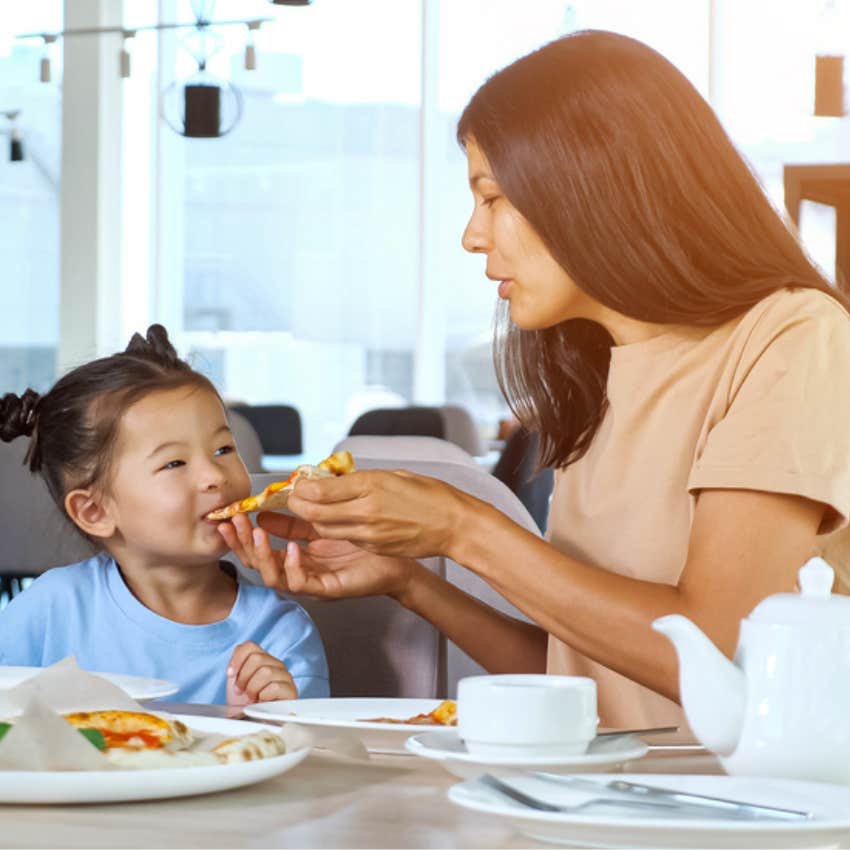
[(326, 801)]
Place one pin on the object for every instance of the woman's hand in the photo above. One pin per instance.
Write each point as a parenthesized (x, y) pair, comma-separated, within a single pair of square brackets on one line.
[(387, 512), (255, 676), (328, 569)]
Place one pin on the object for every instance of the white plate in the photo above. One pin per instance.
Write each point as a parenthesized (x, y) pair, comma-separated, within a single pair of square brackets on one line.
[(136, 687), (110, 786), (618, 827), (444, 746), (348, 716)]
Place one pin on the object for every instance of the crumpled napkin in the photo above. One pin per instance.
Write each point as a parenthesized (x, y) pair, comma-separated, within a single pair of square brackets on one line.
[(40, 739)]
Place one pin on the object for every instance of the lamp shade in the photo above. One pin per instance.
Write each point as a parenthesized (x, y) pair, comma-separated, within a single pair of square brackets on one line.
[(202, 106)]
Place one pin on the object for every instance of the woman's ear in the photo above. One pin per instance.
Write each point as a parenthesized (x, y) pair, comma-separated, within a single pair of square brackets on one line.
[(89, 513)]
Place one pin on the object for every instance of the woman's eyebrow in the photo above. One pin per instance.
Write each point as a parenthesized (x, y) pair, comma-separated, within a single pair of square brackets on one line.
[(479, 176)]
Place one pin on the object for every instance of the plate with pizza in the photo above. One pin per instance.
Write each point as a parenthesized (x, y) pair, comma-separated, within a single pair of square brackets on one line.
[(383, 725), (150, 757)]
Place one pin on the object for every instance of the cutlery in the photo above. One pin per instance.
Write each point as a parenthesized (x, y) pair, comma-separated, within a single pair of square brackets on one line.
[(652, 730), (636, 791), (541, 805)]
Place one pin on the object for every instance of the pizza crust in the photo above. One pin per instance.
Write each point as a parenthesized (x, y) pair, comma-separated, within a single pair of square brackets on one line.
[(276, 495)]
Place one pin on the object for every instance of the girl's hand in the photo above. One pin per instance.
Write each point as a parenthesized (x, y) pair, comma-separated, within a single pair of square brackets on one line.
[(255, 676), (387, 512), (327, 569)]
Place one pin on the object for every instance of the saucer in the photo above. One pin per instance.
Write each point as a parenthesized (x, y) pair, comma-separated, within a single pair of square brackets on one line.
[(446, 747)]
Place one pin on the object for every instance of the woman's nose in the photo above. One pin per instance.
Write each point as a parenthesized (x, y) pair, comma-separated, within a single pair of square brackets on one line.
[(473, 239)]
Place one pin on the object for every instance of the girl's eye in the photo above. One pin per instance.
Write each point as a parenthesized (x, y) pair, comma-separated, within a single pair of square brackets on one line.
[(174, 464), (488, 202), (225, 450)]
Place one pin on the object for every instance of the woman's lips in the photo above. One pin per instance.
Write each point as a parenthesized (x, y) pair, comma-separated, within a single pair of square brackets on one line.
[(504, 288)]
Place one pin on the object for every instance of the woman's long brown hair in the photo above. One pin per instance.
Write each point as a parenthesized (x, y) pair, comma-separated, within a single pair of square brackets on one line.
[(635, 188)]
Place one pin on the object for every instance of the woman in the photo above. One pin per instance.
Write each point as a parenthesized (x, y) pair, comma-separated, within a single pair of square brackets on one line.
[(687, 368)]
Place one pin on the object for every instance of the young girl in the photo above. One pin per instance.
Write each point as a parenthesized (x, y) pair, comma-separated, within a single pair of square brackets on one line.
[(136, 449)]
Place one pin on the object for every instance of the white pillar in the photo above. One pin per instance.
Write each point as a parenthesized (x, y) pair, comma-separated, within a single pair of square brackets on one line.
[(429, 356), (90, 205)]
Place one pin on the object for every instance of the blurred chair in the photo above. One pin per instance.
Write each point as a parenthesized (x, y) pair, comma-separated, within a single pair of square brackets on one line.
[(404, 449), (461, 429), (517, 468), (36, 534), (277, 425), (247, 441), (376, 647), (449, 422)]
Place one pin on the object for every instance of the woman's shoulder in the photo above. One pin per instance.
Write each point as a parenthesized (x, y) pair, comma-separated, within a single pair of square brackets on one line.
[(794, 305)]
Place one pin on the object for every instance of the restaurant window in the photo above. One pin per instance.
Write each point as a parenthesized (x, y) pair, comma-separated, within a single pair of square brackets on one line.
[(29, 199)]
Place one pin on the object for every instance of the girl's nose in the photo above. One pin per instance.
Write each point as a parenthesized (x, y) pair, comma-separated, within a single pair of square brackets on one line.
[(213, 477)]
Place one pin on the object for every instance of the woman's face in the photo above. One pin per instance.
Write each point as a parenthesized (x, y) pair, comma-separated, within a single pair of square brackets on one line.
[(540, 292)]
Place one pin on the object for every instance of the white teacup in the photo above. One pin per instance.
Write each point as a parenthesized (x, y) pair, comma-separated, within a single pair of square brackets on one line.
[(526, 714)]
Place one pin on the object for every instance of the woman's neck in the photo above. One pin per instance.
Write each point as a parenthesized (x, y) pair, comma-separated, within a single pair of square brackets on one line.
[(196, 594)]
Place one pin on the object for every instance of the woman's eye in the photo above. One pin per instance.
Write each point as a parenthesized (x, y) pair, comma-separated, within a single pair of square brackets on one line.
[(225, 450), (174, 464), (488, 202)]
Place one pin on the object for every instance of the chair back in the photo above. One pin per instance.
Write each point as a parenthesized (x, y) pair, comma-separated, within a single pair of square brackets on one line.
[(36, 534), (517, 468), (403, 449), (461, 429), (277, 425), (247, 441), (400, 421)]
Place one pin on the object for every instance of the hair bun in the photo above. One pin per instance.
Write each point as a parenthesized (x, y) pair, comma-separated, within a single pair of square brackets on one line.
[(155, 343), (18, 415)]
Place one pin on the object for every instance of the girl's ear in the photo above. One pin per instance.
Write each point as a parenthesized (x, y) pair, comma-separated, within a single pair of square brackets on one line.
[(89, 513)]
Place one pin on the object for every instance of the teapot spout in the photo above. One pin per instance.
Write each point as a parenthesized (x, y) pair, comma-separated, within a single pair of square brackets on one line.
[(711, 687)]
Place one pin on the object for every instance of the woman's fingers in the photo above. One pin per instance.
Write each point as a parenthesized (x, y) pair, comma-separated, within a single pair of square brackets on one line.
[(288, 527)]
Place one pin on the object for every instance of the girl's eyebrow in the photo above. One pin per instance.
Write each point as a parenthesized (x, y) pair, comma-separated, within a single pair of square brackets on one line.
[(170, 443), (479, 176)]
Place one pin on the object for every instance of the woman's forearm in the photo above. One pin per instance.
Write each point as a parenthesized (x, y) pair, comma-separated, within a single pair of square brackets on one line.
[(498, 642), (743, 546)]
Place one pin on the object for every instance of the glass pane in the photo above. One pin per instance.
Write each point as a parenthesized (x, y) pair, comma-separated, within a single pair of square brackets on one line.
[(29, 198), (300, 227)]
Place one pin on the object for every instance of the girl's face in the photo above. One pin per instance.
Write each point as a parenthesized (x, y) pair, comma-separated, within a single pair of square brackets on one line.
[(540, 292), (175, 461)]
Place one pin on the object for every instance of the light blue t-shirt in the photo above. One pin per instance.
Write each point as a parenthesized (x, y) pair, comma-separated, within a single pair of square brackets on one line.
[(87, 610)]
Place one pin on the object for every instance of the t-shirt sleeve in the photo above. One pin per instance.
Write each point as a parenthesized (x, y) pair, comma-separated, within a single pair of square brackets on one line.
[(22, 627), (786, 428), (295, 640)]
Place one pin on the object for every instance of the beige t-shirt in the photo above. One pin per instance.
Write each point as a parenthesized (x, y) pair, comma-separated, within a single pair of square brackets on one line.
[(760, 403)]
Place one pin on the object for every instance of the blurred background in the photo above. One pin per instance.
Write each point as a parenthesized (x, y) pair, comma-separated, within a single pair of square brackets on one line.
[(311, 255)]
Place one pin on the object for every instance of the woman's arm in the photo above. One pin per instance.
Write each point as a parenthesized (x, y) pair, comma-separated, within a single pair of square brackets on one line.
[(744, 545)]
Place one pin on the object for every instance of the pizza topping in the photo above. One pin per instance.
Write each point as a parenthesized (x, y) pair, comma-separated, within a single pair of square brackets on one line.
[(445, 714)]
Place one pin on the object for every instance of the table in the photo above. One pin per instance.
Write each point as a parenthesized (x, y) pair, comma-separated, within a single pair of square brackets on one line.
[(824, 184), (391, 801)]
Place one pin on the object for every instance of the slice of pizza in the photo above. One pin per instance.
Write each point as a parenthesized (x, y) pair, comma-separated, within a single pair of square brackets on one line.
[(134, 730), (276, 495)]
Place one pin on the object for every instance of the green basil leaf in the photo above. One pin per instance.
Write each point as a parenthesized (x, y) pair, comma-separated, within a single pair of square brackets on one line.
[(95, 737)]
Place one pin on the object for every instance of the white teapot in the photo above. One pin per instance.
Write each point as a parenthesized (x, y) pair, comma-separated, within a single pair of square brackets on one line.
[(782, 708)]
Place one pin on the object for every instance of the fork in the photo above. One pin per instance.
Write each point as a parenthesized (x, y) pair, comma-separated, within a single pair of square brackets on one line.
[(541, 805)]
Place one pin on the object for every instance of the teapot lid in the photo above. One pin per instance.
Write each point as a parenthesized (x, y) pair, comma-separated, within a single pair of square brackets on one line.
[(813, 604)]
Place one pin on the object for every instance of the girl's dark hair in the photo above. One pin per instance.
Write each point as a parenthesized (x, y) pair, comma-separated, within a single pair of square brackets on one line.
[(637, 192), (73, 428)]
